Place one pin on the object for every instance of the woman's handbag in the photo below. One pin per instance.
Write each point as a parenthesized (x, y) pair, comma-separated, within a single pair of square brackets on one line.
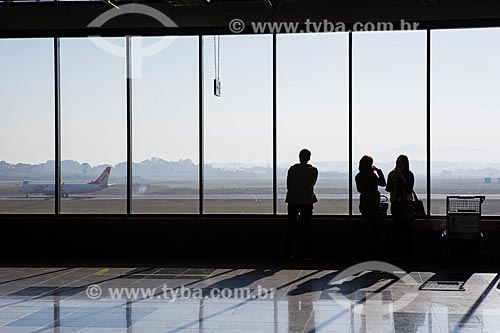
[(416, 207)]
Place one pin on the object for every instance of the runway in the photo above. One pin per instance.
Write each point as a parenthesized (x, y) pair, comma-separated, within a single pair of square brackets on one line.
[(161, 197), (256, 197)]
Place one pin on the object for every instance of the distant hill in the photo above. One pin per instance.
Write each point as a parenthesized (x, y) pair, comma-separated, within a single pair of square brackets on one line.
[(186, 169), (154, 168)]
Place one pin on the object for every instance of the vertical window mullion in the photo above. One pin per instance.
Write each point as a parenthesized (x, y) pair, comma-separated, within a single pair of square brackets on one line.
[(350, 125), (57, 125), (428, 122), (200, 122), (128, 61), (275, 153)]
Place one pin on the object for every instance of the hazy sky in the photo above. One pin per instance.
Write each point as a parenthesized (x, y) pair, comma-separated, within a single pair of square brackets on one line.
[(389, 98)]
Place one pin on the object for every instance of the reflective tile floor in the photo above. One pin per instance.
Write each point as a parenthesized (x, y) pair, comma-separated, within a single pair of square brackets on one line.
[(368, 297)]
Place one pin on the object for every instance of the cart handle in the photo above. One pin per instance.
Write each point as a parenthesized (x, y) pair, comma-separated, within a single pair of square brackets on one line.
[(481, 197)]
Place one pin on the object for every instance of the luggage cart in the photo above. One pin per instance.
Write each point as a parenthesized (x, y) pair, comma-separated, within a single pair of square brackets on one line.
[(463, 222)]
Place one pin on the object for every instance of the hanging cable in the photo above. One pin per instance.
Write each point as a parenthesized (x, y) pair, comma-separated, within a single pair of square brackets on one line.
[(218, 58), (215, 57), (217, 90)]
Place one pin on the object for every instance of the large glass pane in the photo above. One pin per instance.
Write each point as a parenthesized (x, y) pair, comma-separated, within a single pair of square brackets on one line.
[(165, 120), (238, 126), (313, 114), (465, 104), (389, 102), (93, 127), (27, 126)]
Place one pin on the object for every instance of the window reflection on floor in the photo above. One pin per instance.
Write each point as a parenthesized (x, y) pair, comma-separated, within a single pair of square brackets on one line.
[(56, 300)]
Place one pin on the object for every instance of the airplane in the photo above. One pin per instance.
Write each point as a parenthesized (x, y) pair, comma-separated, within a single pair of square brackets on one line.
[(99, 184)]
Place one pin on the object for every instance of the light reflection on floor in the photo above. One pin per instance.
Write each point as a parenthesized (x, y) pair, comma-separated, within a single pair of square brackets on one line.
[(279, 300)]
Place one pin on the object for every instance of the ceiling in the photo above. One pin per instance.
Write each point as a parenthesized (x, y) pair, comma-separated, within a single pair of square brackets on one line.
[(71, 18)]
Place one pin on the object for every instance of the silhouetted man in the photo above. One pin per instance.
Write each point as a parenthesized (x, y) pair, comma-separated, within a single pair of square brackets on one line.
[(300, 197)]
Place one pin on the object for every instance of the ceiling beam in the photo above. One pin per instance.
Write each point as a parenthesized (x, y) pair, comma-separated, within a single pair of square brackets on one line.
[(71, 19)]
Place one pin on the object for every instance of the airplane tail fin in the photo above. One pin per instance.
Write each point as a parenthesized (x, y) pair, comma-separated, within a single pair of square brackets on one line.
[(103, 178)]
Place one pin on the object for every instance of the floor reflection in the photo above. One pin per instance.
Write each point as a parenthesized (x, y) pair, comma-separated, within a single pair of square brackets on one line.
[(304, 301)]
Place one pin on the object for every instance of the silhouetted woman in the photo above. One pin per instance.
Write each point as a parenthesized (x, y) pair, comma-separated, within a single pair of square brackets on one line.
[(400, 184), (368, 180)]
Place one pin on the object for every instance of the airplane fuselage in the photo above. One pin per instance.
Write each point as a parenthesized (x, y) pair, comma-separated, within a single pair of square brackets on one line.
[(99, 184), (66, 189)]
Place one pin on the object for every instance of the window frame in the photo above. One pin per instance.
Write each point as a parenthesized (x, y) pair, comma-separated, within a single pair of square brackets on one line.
[(350, 215)]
